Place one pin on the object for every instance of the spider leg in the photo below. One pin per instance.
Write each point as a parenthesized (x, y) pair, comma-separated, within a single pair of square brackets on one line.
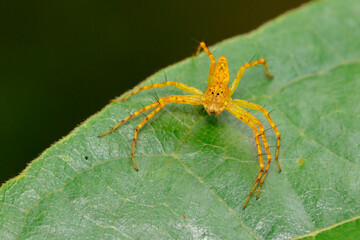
[(164, 84), (156, 110), (212, 58), (243, 68), (244, 118), (250, 105), (266, 114), (129, 117), (266, 145), (185, 99)]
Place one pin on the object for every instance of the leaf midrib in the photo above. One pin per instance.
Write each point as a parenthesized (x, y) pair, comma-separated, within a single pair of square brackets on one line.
[(320, 230)]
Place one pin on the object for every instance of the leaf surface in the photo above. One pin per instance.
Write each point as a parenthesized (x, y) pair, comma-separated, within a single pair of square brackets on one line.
[(195, 170)]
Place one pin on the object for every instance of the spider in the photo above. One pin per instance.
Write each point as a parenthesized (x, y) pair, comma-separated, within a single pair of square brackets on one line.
[(215, 99)]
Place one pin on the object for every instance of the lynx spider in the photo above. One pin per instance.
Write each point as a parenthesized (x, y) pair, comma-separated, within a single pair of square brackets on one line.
[(215, 99)]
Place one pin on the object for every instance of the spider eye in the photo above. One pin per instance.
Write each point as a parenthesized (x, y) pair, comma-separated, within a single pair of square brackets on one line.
[(212, 93), (217, 93)]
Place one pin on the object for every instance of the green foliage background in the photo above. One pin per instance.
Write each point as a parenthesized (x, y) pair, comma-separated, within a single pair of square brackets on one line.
[(61, 61), (196, 170)]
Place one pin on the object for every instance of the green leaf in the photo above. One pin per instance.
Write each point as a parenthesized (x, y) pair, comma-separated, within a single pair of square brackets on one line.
[(195, 170)]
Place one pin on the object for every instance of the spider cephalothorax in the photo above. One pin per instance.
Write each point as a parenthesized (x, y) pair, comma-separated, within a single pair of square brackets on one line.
[(216, 99)]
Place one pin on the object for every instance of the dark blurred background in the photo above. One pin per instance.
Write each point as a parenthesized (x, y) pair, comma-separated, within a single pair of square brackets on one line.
[(62, 61)]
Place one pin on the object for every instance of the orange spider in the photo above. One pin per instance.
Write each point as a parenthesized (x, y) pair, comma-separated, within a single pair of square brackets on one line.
[(216, 99)]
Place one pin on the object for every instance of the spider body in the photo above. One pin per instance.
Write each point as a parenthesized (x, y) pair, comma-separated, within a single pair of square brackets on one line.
[(215, 99)]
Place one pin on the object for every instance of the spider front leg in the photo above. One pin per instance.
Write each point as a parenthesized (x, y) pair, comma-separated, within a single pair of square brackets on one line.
[(250, 105), (266, 145), (185, 99), (129, 117), (156, 110), (238, 114), (242, 70), (164, 84)]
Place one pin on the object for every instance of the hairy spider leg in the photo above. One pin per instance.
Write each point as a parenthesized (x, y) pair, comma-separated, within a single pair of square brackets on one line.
[(254, 106), (246, 104), (164, 84), (129, 117), (185, 99), (262, 133), (156, 110), (238, 114), (242, 70), (203, 46)]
